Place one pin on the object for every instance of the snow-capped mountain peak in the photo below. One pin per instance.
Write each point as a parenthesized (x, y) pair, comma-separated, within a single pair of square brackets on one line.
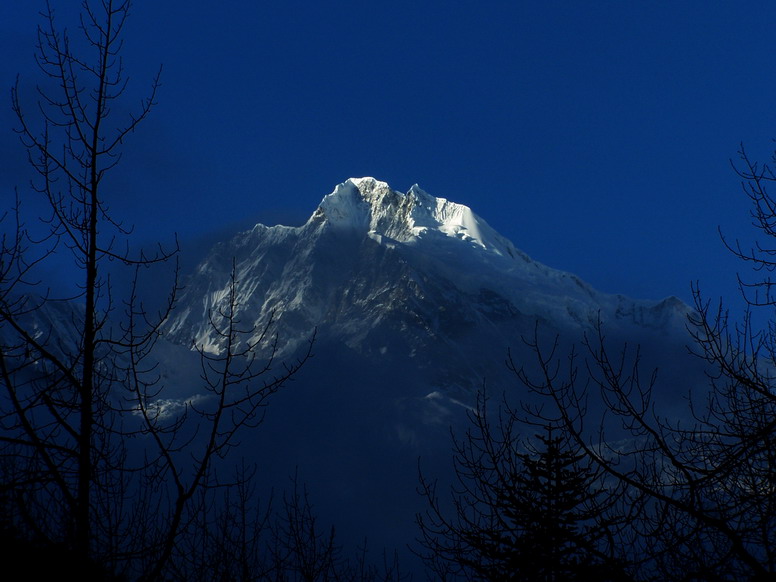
[(373, 207)]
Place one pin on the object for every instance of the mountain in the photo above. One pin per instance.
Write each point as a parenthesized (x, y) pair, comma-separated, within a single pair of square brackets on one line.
[(397, 276), (416, 301)]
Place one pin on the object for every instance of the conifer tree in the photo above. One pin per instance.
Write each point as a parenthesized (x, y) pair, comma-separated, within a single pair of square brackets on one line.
[(522, 509), (555, 509)]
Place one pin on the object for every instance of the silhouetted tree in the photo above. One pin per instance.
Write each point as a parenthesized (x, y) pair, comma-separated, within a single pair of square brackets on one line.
[(77, 373), (521, 509), (301, 549), (703, 486), (244, 540)]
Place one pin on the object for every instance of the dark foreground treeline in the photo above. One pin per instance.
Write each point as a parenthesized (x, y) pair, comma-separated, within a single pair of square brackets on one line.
[(240, 540)]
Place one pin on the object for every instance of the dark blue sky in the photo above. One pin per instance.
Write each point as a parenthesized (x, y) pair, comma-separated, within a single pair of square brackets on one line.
[(595, 135)]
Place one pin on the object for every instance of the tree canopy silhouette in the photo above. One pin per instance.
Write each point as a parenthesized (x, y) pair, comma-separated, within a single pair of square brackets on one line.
[(521, 509)]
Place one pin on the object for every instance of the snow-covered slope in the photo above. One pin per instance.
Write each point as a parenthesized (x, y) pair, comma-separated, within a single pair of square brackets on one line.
[(388, 273)]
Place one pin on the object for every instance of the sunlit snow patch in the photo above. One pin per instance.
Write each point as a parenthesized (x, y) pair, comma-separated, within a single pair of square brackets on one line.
[(164, 408)]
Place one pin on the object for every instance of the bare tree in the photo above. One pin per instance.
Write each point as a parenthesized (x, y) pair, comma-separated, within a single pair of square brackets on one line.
[(187, 446), (56, 388), (301, 549), (245, 540), (77, 372), (703, 486)]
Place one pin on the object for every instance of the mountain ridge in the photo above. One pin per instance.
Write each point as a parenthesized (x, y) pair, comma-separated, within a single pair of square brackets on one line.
[(368, 251)]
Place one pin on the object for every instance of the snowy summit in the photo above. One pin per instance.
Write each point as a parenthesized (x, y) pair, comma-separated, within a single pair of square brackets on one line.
[(372, 205)]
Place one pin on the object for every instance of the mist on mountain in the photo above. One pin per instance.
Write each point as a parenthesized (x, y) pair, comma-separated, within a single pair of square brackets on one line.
[(416, 303)]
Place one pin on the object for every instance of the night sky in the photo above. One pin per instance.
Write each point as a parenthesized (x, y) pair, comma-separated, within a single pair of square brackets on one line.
[(597, 136)]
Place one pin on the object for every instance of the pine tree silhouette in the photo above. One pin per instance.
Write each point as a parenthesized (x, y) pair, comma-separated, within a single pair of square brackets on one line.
[(529, 511), (554, 507)]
